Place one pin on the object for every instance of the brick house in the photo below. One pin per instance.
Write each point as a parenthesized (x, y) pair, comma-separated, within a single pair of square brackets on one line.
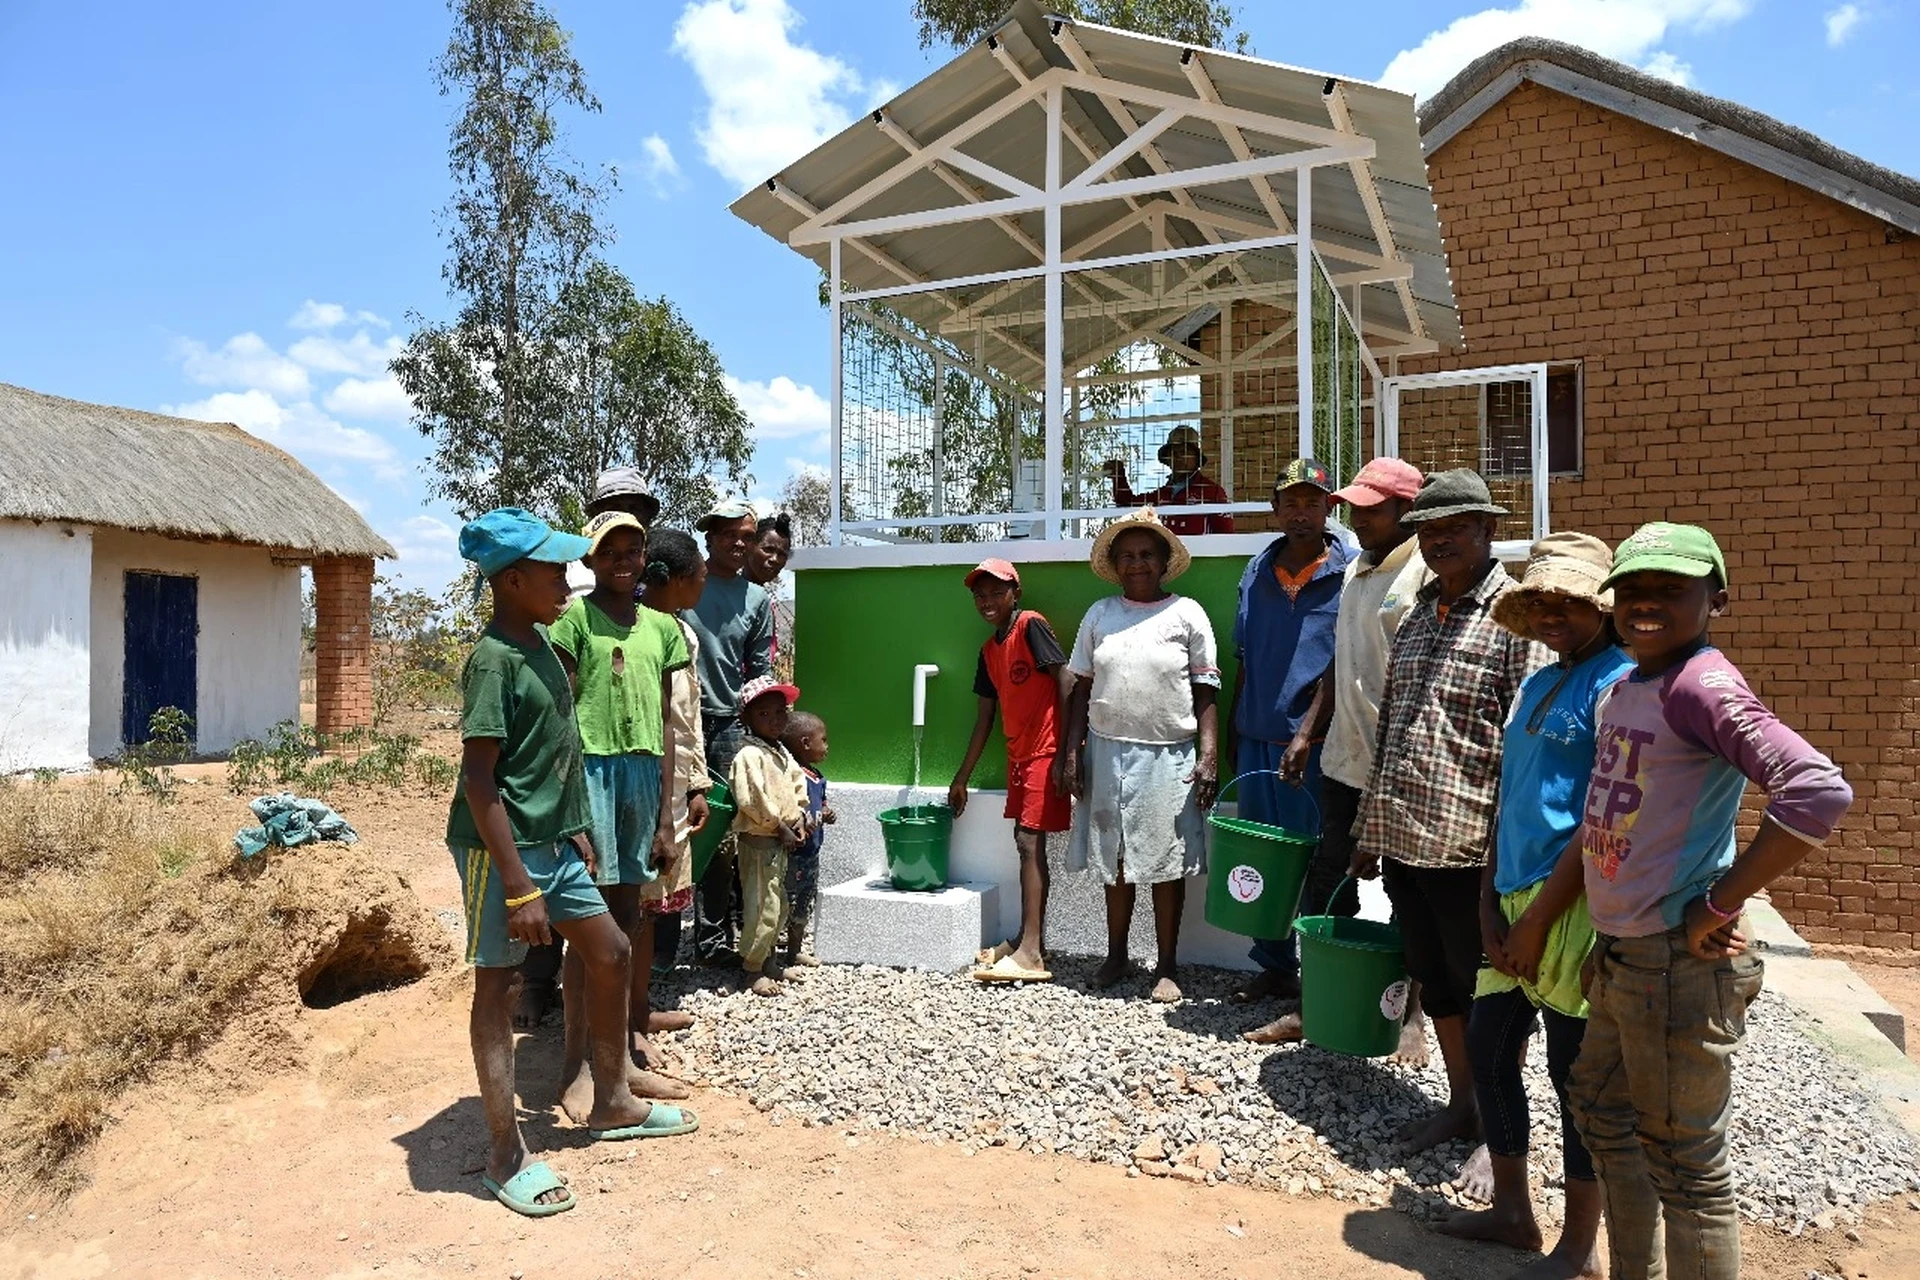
[(1729, 313), (150, 562)]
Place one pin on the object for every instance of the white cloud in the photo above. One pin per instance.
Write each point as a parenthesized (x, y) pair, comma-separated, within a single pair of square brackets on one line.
[(244, 360), (377, 398), (1841, 22), (359, 355), (428, 552), (1626, 30), (299, 428), (769, 100), (782, 409), (1664, 66), (662, 170), (321, 316)]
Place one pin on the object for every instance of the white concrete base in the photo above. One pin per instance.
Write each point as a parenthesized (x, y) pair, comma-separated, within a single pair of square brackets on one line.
[(868, 921)]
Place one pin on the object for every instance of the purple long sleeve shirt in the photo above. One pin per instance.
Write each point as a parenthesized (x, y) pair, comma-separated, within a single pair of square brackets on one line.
[(1674, 752)]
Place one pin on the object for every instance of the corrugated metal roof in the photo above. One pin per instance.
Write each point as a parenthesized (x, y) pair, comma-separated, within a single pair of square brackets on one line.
[(980, 79)]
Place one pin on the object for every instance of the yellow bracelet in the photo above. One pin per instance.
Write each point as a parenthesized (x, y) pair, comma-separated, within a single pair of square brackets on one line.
[(521, 902)]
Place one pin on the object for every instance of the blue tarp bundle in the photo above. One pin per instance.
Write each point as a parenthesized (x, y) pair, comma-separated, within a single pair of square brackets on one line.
[(288, 820)]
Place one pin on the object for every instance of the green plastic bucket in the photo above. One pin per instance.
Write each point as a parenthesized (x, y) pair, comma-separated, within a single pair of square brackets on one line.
[(918, 839), (1353, 984), (708, 839), (1255, 873)]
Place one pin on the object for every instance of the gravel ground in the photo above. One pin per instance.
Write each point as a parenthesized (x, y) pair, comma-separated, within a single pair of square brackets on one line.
[(1173, 1091)]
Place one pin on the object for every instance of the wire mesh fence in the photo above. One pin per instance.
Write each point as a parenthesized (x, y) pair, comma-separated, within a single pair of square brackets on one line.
[(1487, 427)]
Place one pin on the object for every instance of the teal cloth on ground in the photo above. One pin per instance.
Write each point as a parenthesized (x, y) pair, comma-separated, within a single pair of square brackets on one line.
[(288, 820)]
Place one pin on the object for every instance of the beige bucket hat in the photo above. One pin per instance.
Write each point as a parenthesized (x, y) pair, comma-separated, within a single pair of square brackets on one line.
[(1565, 564), (1178, 557)]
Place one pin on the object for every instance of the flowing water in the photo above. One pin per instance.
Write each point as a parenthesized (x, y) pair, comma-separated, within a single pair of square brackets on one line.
[(913, 789)]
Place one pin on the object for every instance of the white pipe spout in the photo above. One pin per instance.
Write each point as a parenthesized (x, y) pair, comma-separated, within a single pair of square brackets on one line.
[(920, 674)]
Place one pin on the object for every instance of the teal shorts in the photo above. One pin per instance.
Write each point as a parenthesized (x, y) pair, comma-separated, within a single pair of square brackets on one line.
[(557, 870), (623, 794)]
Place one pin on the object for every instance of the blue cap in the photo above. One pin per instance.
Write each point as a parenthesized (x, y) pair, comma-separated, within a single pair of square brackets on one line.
[(506, 534)]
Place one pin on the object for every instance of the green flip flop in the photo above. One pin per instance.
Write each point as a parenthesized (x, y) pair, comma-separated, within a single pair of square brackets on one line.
[(521, 1193), (661, 1122)]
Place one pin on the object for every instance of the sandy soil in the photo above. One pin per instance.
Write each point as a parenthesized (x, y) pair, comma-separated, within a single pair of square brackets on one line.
[(345, 1142), (1900, 986)]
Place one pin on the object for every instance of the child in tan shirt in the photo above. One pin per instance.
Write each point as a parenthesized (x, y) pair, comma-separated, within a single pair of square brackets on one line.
[(769, 791)]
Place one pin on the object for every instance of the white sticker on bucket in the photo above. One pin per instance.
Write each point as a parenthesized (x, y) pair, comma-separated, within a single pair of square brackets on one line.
[(1245, 883), (1393, 1001)]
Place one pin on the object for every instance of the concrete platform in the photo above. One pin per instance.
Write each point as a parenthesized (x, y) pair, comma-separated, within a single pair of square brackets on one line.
[(867, 921)]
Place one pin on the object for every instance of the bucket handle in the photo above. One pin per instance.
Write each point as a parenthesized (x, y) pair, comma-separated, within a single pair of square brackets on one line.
[(1253, 773)]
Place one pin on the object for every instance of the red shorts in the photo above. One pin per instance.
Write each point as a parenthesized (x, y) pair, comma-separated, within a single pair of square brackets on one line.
[(1030, 798)]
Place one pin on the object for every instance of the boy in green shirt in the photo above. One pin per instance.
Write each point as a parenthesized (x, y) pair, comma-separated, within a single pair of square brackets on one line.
[(517, 832)]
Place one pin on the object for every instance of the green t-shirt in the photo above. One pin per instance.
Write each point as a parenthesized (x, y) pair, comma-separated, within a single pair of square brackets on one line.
[(617, 675), (520, 695)]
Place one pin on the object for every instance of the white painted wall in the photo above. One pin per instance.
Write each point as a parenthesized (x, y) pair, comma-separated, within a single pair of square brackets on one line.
[(43, 645), (248, 653)]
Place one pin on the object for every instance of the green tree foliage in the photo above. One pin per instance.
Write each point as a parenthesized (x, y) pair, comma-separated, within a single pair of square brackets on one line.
[(519, 228), (1209, 23), (640, 388), (807, 498)]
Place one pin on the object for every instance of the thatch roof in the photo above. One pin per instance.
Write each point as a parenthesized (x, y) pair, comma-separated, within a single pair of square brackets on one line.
[(210, 481)]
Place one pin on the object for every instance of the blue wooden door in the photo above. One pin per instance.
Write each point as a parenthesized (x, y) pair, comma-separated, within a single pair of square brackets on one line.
[(163, 629)]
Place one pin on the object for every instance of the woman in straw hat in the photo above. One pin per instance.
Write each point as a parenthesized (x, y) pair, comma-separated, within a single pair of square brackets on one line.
[(1145, 682), (1534, 925)]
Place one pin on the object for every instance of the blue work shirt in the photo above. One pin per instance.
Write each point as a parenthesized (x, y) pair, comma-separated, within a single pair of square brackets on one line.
[(1284, 644)]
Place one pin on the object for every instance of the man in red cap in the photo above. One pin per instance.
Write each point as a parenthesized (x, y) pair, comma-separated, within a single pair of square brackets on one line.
[(1381, 584), (1020, 675)]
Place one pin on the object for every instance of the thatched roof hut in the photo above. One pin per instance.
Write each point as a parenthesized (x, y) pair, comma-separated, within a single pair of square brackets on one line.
[(92, 464)]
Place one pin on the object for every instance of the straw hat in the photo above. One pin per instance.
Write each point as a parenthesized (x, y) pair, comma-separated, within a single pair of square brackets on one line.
[(1566, 564), (1178, 558)]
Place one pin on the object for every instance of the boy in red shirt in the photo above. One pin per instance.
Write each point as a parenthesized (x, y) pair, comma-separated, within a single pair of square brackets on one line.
[(1019, 675)]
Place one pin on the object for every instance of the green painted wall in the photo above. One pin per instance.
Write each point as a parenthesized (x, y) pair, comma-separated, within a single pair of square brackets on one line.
[(859, 632)]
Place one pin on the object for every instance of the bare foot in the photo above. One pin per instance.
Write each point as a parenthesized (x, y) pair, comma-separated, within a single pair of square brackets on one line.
[(1475, 1179), (622, 1110), (1455, 1120), (668, 1020), (651, 1084), (1031, 961), (1166, 991), (576, 1094), (804, 959), (1413, 1044), (1514, 1228), (1284, 1029), (501, 1169), (1556, 1267), (531, 1008), (1109, 973), (764, 986), (1265, 985)]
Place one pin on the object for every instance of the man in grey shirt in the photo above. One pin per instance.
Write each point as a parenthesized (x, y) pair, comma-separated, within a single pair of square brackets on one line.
[(734, 624)]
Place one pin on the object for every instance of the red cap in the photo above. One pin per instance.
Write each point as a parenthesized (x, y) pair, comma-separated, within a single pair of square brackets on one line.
[(1000, 569), (1379, 480)]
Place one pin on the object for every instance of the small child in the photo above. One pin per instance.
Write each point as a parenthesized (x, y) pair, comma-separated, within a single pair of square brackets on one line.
[(622, 660), (769, 791), (517, 830), (806, 740), (675, 575), (1670, 977), (1020, 675)]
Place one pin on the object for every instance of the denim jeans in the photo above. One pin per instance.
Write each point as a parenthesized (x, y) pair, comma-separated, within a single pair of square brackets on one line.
[(1497, 1031), (1651, 1093)]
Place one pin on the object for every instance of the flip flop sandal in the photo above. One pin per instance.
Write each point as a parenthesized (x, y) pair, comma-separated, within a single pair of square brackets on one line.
[(521, 1193), (661, 1122), (994, 954), (1006, 969)]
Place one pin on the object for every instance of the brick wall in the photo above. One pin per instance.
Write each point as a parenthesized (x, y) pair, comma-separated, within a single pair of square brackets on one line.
[(1751, 353), (343, 644)]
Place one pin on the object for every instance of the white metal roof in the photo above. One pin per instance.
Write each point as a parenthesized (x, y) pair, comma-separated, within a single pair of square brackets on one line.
[(1166, 107)]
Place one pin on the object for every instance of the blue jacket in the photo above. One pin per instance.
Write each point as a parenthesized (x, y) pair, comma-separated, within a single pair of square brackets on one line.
[(1284, 645)]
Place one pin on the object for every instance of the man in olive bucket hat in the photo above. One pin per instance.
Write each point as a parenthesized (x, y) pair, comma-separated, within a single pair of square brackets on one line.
[(1187, 486), (1427, 819)]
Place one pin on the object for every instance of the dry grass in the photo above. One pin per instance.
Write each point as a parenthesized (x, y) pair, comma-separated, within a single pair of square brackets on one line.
[(124, 938)]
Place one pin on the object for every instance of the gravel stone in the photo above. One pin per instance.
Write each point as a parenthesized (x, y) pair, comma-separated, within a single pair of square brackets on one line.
[(1112, 1078)]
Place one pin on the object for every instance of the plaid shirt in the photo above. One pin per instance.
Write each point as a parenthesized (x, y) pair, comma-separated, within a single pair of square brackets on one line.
[(1436, 761)]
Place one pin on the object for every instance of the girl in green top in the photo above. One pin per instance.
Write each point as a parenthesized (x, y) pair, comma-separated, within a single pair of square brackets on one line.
[(621, 659)]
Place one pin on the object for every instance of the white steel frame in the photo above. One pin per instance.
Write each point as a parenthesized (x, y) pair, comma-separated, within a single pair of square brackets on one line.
[(1059, 265), (1387, 418)]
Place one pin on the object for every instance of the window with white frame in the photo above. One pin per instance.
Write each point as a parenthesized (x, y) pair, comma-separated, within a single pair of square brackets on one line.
[(1506, 426)]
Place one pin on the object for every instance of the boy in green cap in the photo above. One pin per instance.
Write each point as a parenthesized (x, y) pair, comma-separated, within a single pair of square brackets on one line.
[(517, 831), (1669, 978)]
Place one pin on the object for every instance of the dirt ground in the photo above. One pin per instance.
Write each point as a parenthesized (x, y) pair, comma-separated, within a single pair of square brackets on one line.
[(1900, 986), (345, 1141)]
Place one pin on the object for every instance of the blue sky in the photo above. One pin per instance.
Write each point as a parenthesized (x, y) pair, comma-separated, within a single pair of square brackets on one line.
[(228, 209)]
